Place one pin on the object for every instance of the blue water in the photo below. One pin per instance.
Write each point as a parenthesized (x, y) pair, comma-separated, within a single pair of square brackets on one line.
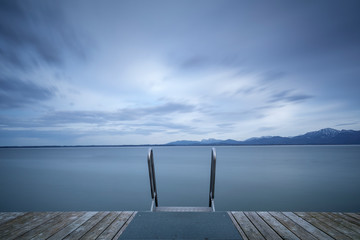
[(277, 178)]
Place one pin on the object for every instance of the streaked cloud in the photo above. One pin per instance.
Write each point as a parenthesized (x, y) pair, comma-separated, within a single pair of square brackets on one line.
[(15, 93), (289, 96), (155, 72), (35, 34), (127, 114)]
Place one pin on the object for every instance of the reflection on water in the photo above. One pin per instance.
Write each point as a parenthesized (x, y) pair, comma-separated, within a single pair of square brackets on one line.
[(278, 178)]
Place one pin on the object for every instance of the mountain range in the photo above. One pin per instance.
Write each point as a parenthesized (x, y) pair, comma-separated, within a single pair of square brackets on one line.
[(324, 136)]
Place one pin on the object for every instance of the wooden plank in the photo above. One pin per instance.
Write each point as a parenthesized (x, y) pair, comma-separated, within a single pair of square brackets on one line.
[(343, 221), (354, 215), (277, 226), (237, 226), (307, 226), (251, 225), (35, 222), (115, 226), (85, 227), (8, 226), (329, 221), (124, 226), (339, 227), (246, 225), (19, 222), (71, 227), (52, 226), (292, 226), (262, 226), (349, 219), (322, 226), (101, 226), (7, 216)]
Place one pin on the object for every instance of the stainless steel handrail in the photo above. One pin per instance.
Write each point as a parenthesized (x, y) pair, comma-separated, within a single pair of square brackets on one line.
[(150, 160), (154, 203), (212, 179)]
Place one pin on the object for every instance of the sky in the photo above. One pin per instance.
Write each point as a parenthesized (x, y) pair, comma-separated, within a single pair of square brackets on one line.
[(76, 72)]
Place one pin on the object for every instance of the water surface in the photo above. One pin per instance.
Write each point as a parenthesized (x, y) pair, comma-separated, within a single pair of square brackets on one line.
[(277, 178)]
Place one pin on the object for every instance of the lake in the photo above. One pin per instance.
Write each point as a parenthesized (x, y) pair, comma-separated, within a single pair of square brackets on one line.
[(261, 178)]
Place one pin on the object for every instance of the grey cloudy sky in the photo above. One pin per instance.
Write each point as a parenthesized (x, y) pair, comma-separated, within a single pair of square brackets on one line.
[(138, 72)]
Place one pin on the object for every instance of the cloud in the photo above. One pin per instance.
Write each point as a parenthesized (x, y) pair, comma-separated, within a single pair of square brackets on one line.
[(346, 124), (205, 61), (31, 137), (146, 114), (232, 116), (265, 129), (195, 62), (248, 90), (167, 108), (61, 126), (15, 93), (36, 34), (203, 70), (298, 97), (270, 76), (288, 96)]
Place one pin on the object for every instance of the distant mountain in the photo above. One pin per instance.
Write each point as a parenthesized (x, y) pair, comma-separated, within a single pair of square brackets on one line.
[(267, 140), (328, 136), (323, 136)]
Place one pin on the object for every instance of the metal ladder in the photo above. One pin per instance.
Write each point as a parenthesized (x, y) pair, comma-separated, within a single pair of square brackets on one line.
[(154, 196)]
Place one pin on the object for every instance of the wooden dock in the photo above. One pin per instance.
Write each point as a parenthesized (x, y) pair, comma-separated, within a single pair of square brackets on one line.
[(110, 225)]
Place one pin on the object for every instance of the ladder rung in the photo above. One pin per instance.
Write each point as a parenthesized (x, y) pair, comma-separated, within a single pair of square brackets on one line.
[(183, 209)]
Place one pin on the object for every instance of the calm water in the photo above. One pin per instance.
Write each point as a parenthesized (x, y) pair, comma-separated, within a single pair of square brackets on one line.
[(297, 178)]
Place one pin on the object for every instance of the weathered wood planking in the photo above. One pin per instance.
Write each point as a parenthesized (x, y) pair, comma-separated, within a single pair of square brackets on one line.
[(277, 226), (71, 227), (251, 232), (263, 227), (118, 223), (307, 226), (110, 225), (4, 217), (323, 226), (125, 225), (64, 225), (298, 225), (292, 226), (52, 226), (237, 226), (87, 226)]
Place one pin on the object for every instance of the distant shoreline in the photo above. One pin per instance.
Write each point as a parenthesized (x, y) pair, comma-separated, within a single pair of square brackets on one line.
[(167, 145), (326, 136)]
